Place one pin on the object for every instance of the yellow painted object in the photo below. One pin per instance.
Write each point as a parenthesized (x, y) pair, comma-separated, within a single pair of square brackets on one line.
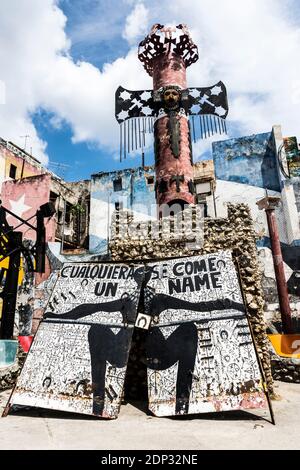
[(4, 264), (286, 345)]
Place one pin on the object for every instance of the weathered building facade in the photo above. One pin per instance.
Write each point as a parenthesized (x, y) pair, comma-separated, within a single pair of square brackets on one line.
[(132, 189), (246, 169), (27, 185), (240, 171)]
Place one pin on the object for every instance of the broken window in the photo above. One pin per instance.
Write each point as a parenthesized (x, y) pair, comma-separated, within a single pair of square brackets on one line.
[(12, 171), (118, 206), (150, 180), (53, 198), (68, 213), (118, 184)]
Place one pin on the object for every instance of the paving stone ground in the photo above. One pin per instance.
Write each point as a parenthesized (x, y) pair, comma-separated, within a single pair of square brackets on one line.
[(137, 429)]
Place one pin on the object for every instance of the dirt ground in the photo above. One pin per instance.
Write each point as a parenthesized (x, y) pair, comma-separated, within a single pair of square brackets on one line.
[(137, 429)]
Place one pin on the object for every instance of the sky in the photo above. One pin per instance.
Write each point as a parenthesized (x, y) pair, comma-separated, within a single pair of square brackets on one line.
[(62, 60)]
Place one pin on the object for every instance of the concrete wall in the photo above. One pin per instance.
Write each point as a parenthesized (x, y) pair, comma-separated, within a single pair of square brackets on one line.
[(24, 197), (25, 164), (136, 194), (248, 160), (245, 168)]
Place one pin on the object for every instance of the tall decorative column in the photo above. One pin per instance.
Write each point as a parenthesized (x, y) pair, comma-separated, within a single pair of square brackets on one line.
[(170, 110), (172, 140), (269, 204)]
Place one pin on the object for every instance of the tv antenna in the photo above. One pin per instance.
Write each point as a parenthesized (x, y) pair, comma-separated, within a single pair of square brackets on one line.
[(25, 137), (59, 167)]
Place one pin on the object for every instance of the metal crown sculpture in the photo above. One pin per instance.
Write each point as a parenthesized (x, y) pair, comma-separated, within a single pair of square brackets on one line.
[(168, 110)]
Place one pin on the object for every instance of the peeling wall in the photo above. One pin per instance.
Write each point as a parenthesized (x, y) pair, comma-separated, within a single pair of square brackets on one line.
[(248, 160), (25, 164), (137, 193), (245, 168), (24, 197)]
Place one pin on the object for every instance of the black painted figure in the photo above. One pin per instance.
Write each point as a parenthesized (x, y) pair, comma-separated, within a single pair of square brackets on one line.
[(182, 344), (104, 345)]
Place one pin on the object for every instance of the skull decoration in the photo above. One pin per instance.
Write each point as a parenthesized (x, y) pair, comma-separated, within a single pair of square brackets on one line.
[(171, 97)]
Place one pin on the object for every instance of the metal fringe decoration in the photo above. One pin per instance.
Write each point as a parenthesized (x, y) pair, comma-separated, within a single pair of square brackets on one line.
[(125, 140), (133, 134), (133, 131), (121, 130), (206, 126)]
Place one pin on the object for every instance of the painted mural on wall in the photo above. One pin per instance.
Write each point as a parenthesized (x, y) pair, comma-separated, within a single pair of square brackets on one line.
[(292, 155), (200, 352), (249, 160), (131, 189), (79, 355), (24, 197)]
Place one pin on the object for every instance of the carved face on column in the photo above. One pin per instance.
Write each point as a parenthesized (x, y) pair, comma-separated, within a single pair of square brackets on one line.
[(171, 98)]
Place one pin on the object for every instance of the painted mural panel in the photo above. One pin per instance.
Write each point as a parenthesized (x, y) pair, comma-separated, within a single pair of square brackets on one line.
[(293, 155), (248, 160), (79, 355), (200, 353)]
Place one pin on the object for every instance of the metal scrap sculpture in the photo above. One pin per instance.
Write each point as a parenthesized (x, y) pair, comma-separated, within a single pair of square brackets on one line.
[(170, 111)]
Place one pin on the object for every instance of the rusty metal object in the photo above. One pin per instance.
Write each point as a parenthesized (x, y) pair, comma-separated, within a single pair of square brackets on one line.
[(200, 352), (164, 40), (78, 358), (269, 204)]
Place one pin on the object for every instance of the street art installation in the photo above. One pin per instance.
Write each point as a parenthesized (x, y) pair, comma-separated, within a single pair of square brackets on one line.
[(292, 155), (169, 111), (200, 353), (78, 358), (201, 357)]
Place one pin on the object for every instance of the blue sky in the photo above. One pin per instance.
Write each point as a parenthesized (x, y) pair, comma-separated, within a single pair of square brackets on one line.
[(61, 67), (91, 44)]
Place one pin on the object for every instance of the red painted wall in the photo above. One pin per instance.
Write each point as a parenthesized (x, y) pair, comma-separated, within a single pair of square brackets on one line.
[(24, 197)]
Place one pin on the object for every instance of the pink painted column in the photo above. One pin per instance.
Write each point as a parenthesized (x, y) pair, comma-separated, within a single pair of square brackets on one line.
[(269, 204), (173, 150)]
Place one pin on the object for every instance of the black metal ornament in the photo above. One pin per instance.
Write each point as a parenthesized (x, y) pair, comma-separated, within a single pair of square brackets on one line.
[(137, 111)]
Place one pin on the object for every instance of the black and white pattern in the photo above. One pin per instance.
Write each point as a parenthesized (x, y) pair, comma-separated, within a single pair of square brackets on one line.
[(211, 106), (79, 355), (200, 352), (137, 111), (165, 39), (133, 104)]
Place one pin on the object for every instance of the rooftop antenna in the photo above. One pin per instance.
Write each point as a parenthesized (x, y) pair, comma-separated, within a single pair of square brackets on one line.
[(59, 167), (25, 137)]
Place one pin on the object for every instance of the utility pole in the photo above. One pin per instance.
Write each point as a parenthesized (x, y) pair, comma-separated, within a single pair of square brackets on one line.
[(269, 203)]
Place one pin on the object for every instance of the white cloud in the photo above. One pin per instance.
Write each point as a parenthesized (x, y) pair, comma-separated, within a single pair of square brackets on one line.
[(251, 45), (136, 23), (31, 36)]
